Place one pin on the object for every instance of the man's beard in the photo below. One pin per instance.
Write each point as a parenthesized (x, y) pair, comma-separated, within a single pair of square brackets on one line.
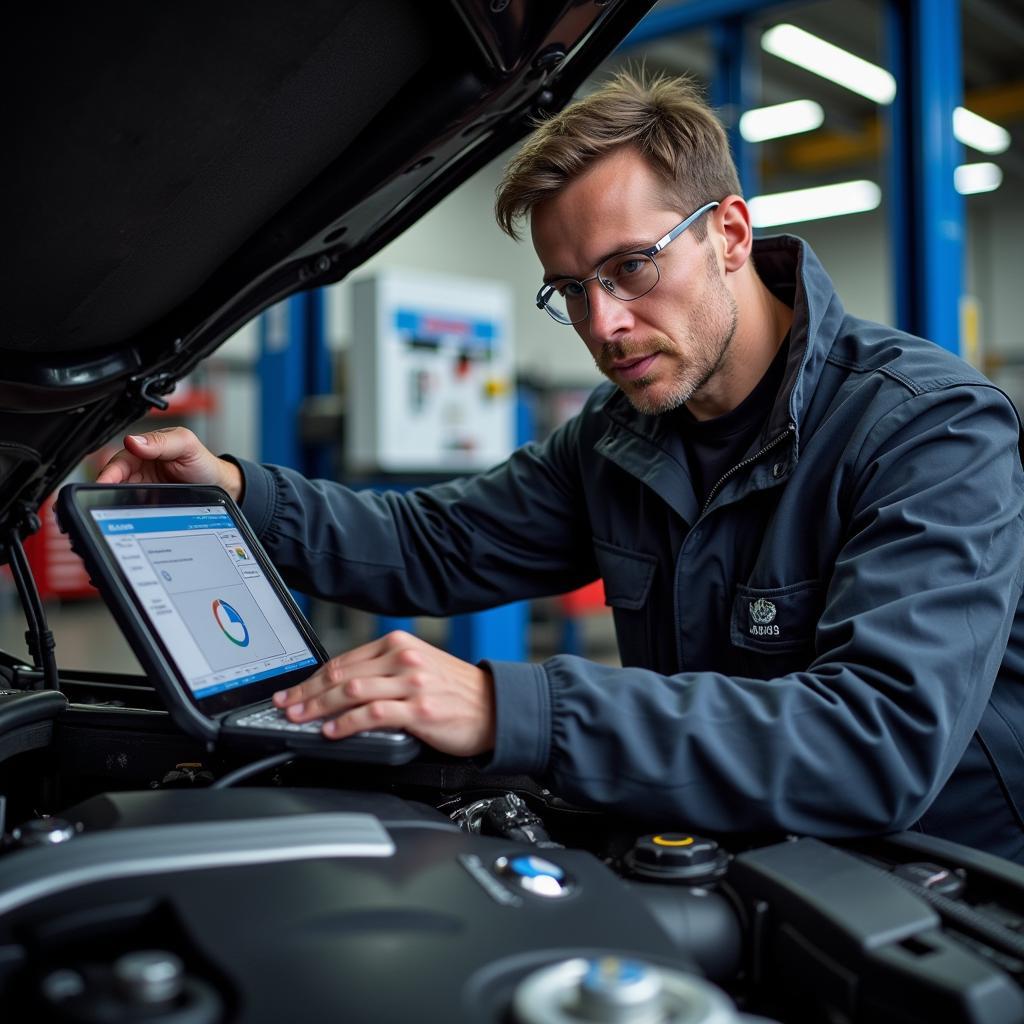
[(712, 327)]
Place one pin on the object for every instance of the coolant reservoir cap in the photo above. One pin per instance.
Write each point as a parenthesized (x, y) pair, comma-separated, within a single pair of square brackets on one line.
[(677, 856)]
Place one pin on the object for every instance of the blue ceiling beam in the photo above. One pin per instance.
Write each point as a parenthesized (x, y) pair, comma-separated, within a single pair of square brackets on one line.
[(684, 17)]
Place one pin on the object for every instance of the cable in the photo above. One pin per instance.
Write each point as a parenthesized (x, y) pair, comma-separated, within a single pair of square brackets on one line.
[(38, 636), (253, 768)]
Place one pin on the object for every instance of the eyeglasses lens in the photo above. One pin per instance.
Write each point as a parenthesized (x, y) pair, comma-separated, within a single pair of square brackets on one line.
[(626, 277)]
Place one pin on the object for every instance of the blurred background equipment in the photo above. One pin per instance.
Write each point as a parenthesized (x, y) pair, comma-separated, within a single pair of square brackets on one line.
[(430, 374)]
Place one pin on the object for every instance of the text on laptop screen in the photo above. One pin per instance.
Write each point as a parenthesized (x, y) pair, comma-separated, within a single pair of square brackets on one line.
[(205, 595)]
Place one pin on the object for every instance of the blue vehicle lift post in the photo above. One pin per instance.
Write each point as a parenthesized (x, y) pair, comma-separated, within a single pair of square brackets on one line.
[(732, 94), (926, 213), (498, 633), (294, 362)]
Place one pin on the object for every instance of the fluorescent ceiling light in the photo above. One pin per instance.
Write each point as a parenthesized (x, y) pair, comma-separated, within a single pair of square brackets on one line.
[(814, 203), (814, 54), (781, 119), (975, 131), (972, 178)]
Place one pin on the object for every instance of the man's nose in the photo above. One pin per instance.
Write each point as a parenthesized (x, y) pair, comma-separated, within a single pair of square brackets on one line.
[(609, 317)]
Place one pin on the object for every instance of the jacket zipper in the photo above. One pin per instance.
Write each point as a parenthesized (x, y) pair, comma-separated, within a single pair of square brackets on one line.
[(746, 462)]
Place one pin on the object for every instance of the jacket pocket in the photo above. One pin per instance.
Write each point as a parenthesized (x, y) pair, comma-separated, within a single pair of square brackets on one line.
[(775, 620), (627, 577)]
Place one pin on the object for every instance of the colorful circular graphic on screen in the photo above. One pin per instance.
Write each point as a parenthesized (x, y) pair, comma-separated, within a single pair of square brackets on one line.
[(231, 623)]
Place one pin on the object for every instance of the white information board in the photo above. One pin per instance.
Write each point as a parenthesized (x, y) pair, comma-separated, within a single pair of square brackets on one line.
[(430, 373)]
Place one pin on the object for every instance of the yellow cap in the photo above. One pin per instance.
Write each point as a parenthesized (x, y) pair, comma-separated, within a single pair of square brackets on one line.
[(662, 841)]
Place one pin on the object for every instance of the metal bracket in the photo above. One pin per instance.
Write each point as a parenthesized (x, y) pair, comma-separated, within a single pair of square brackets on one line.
[(149, 389)]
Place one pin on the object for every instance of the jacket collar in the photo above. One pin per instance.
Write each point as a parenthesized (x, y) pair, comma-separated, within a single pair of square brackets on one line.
[(791, 271)]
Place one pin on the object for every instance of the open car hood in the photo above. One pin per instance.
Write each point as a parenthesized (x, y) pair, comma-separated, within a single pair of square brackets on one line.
[(179, 168)]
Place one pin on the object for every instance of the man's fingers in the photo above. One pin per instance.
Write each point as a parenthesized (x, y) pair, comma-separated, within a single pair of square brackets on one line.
[(381, 714), (318, 700), (166, 444), (409, 685), (382, 656), (119, 469), (171, 455), (129, 465), (323, 679)]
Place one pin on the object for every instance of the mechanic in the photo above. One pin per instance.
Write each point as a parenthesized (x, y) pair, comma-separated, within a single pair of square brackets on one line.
[(808, 526)]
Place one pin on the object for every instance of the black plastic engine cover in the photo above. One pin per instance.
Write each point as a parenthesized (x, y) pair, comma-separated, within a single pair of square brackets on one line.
[(428, 931)]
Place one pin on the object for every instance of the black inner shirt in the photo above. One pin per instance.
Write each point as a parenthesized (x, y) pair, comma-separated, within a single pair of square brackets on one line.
[(714, 446)]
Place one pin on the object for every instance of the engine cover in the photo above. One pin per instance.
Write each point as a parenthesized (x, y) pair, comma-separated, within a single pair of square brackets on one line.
[(310, 905)]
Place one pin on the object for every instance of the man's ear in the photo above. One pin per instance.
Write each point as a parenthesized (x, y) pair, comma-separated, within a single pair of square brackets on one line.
[(733, 220)]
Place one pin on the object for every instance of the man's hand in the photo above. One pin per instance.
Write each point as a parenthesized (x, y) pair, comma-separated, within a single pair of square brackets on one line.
[(399, 682), (173, 455)]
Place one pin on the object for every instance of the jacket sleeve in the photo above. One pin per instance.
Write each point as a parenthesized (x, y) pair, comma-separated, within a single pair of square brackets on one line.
[(914, 627), (510, 534)]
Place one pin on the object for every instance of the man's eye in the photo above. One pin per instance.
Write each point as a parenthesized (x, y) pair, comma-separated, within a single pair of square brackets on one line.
[(629, 265), (569, 289)]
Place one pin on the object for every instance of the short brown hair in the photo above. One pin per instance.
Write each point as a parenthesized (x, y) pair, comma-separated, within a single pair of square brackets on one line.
[(664, 118)]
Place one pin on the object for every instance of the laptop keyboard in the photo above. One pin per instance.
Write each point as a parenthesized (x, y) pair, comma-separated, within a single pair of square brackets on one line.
[(274, 718)]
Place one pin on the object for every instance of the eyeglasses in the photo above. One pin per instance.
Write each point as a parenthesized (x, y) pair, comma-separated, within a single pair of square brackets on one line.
[(625, 276)]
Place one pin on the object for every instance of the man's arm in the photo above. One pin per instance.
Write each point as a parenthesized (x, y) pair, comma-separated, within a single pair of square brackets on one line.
[(916, 620), (516, 532), (502, 536)]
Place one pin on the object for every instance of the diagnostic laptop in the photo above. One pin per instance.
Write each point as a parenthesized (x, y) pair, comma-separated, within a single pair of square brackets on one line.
[(207, 615)]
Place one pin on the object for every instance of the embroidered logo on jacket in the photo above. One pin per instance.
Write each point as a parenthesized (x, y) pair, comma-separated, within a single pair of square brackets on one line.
[(762, 615)]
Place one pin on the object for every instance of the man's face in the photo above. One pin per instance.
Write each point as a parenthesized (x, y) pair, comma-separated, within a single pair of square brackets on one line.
[(665, 347)]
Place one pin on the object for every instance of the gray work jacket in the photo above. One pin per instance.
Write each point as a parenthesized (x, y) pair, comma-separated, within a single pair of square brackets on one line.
[(831, 645)]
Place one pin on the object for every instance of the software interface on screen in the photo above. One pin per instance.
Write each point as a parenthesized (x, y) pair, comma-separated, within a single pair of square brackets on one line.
[(205, 595)]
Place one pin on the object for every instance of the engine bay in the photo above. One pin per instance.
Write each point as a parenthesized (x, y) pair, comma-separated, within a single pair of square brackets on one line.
[(155, 882)]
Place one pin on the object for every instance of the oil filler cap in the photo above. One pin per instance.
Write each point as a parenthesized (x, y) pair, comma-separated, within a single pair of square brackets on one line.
[(618, 990), (677, 857), (535, 875)]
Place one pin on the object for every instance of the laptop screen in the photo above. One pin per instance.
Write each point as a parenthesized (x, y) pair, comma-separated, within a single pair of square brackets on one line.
[(205, 595)]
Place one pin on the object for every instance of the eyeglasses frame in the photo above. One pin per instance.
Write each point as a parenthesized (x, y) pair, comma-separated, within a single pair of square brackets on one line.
[(546, 290)]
